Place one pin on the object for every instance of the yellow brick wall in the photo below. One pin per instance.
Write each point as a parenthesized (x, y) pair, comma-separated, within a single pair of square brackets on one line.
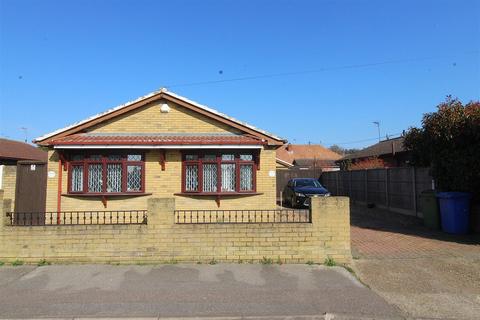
[(163, 241), (149, 119), (165, 184), (9, 182)]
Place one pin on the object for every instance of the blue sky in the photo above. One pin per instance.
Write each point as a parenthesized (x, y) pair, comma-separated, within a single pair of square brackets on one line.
[(387, 61)]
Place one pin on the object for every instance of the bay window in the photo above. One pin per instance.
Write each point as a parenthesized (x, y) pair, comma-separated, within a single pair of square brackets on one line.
[(114, 173), (218, 173)]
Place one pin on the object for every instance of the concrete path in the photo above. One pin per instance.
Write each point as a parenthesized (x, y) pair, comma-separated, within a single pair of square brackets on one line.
[(427, 274), (222, 290)]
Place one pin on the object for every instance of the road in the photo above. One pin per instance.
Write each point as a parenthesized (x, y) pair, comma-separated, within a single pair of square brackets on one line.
[(253, 290)]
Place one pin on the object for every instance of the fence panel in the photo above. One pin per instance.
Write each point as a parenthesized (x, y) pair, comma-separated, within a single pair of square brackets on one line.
[(376, 186), (344, 183), (401, 188), (396, 188), (357, 180)]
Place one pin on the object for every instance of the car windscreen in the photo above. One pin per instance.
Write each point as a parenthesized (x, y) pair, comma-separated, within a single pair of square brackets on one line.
[(308, 183)]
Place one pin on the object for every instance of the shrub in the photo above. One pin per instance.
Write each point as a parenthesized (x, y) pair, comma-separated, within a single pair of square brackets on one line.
[(17, 263), (266, 260), (43, 262), (329, 262), (448, 142)]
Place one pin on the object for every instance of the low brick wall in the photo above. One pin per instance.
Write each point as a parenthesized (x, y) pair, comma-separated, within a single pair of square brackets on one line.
[(163, 241)]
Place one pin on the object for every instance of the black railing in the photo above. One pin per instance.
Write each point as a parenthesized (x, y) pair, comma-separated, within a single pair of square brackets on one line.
[(77, 218), (242, 216)]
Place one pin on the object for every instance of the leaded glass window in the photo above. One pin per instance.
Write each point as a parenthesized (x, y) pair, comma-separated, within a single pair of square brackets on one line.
[(246, 177), (209, 177), (77, 178), (114, 177), (95, 178), (246, 157), (134, 178), (106, 173), (219, 172), (228, 177), (230, 157), (191, 157), (134, 157), (191, 178)]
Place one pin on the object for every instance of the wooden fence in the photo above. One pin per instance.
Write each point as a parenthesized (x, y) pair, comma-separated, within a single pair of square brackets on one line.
[(397, 189)]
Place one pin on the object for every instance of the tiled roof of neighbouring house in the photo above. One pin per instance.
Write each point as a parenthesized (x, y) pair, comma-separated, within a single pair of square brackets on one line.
[(156, 139), (390, 146), (16, 150), (291, 152)]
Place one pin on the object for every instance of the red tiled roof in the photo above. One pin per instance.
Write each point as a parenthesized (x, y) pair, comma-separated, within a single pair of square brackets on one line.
[(16, 150), (118, 139), (291, 152), (391, 146)]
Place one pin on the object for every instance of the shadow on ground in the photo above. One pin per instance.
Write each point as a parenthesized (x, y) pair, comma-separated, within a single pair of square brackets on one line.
[(384, 220)]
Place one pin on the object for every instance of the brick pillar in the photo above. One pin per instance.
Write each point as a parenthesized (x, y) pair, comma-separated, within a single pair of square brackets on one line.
[(331, 222), (160, 211), (5, 206)]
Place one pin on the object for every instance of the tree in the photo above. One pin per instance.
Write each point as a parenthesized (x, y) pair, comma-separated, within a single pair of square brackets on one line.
[(343, 151), (449, 142)]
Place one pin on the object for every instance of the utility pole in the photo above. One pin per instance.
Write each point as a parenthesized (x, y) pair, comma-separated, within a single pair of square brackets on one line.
[(377, 123), (25, 132)]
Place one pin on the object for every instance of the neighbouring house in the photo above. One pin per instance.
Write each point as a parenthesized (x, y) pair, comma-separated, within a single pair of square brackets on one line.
[(26, 160), (160, 145), (385, 154), (283, 165), (307, 156)]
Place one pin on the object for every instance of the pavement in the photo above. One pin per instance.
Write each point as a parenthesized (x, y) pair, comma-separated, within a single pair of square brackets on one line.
[(425, 273), (176, 291)]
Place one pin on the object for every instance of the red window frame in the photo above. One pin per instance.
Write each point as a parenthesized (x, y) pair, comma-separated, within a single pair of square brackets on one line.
[(200, 161), (104, 161)]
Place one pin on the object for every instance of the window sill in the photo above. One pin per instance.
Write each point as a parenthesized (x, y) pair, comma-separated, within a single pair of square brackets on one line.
[(132, 194), (217, 194)]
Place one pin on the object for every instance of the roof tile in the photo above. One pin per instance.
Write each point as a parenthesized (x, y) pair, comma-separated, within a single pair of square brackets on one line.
[(156, 139)]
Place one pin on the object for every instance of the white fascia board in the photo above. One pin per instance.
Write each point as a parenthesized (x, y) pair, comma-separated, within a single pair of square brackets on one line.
[(137, 146)]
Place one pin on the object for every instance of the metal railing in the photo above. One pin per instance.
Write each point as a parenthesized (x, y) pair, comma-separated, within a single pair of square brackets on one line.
[(242, 216), (77, 218)]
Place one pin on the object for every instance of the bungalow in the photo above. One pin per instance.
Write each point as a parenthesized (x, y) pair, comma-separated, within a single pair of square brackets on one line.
[(160, 145), (307, 156), (388, 153)]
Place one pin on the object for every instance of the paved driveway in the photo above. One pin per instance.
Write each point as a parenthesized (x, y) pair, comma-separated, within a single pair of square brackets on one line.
[(185, 290), (425, 273)]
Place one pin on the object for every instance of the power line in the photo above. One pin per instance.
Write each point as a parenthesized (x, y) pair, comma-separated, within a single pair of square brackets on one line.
[(293, 73)]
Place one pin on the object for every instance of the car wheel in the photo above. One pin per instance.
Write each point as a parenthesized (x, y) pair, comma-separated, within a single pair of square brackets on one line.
[(292, 201)]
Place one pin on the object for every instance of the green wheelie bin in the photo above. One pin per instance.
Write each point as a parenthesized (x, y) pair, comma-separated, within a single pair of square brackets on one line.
[(431, 215)]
